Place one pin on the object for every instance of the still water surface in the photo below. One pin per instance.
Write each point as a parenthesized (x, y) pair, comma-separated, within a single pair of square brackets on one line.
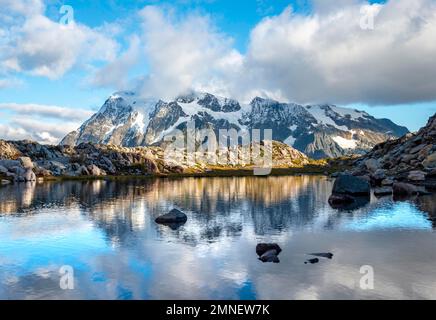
[(106, 232)]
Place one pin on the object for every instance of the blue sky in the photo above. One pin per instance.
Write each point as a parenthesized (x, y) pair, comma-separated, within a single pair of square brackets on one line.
[(243, 48)]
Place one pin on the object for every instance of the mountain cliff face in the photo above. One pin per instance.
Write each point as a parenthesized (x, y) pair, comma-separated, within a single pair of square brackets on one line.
[(319, 131)]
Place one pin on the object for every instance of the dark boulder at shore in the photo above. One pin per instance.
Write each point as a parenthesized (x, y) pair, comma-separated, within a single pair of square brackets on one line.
[(351, 185)]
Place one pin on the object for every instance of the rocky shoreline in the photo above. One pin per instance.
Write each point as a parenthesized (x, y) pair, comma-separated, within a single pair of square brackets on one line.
[(22, 161), (402, 167)]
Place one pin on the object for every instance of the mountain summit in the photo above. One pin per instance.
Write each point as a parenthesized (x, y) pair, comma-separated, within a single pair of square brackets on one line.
[(320, 131)]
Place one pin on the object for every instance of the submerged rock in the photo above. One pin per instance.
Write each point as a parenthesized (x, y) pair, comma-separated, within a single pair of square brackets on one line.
[(173, 217)]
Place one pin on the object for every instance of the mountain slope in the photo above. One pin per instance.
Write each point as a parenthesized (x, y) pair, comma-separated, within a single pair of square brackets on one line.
[(319, 130)]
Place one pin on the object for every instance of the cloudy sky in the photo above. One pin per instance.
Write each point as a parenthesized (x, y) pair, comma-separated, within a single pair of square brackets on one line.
[(58, 64)]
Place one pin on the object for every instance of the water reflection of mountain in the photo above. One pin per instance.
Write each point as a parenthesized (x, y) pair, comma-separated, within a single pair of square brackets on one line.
[(216, 207)]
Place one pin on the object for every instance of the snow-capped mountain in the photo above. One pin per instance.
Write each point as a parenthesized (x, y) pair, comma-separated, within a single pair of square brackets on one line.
[(317, 130)]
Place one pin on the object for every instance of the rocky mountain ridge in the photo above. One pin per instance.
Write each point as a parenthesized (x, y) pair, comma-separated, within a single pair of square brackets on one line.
[(319, 131)]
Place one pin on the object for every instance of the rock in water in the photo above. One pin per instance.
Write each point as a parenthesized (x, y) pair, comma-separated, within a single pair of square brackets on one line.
[(261, 248), (174, 216), (351, 185), (270, 256)]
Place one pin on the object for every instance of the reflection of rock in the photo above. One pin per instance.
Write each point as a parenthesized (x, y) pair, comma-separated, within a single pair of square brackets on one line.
[(340, 199), (349, 192), (401, 189), (312, 261), (270, 256), (327, 255), (261, 248), (174, 216), (384, 191)]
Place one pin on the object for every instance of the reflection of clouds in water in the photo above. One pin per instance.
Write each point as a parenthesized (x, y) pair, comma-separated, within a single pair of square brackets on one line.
[(106, 231)]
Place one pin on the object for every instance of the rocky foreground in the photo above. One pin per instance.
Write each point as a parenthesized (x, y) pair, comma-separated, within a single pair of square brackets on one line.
[(22, 161), (403, 167)]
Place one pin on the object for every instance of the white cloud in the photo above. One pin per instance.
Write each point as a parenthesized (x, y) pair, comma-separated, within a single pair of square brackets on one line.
[(327, 57), (184, 52), (116, 73), (56, 112), (34, 44), (318, 58), (21, 128)]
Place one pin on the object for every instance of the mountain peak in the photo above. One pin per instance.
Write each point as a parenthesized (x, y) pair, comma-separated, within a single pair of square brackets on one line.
[(323, 130)]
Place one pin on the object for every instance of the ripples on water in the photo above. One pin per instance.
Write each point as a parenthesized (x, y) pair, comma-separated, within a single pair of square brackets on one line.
[(105, 230)]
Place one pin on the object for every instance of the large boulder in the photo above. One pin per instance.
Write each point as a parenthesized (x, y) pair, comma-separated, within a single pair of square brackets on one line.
[(95, 171), (351, 185), (372, 165), (26, 162)]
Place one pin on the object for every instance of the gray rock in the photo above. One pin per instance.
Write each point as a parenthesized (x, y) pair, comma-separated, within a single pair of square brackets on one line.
[(350, 185), (174, 216), (94, 170), (416, 175), (8, 164), (372, 165), (3, 170), (26, 162)]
